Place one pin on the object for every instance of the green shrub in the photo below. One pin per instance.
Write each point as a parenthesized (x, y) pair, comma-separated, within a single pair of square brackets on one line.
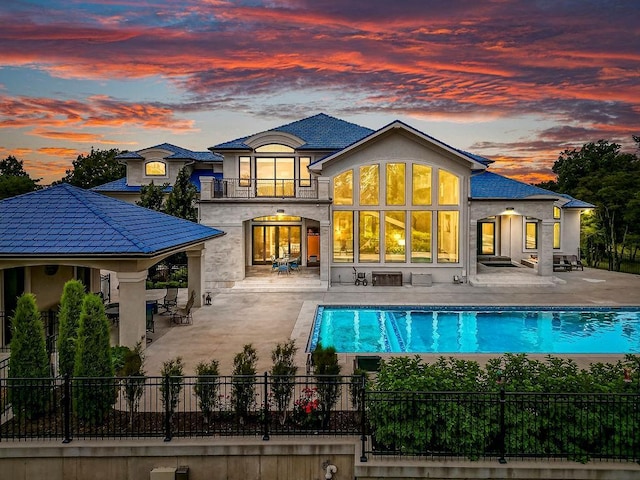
[(94, 390), (29, 360), (326, 371), (243, 395), (171, 386), (207, 388), (283, 374), (69, 321), (133, 379)]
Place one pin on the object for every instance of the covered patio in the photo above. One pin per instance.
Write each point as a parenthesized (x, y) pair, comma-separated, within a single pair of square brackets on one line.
[(63, 232)]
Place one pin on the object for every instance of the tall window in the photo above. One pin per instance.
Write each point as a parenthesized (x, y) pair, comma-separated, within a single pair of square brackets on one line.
[(531, 235), (155, 169), (448, 238), (421, 184), (369, 185), (421, 236), (343, 237), (556, 235), (395, 183), (343, 188), (369, 238), (448, 188), (245, 171), (305, 175), (394, 236)]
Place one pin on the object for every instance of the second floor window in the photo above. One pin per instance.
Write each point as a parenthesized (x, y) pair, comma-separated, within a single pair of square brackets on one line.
[(155, 169)]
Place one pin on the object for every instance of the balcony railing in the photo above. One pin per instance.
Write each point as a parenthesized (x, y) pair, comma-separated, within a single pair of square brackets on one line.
[(265, 188)]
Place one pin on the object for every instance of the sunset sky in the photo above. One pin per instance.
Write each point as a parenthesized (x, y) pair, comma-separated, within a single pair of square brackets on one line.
[(515, 81)]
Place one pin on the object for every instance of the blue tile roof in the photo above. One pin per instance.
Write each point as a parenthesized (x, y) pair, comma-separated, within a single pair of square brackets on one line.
[(177, 153), (491, 185), (575, 203), (319, 132), (64, 221)]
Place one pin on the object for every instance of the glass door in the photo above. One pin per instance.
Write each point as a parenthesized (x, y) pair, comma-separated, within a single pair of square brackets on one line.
[(486, 238), (275, 240)]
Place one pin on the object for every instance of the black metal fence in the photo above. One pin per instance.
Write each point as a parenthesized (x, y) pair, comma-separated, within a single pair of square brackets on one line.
[(489, 425)]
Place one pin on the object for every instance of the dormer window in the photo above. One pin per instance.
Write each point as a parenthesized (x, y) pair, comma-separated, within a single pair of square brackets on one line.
[(155, 169)]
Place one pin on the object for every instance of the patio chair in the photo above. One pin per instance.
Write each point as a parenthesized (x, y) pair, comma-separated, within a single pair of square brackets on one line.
[(575, 262), (559, 263), (182, 316), (293, 265), (151, 327), (170, 301)]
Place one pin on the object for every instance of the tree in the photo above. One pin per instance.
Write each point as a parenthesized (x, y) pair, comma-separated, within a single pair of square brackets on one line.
[(29, 360), (283, 374), (327, 373), (69, 321), (13, 179), (600, 174), (152, 196), (171, 386), (243, 395), (133, 382), (94, 391), (207, 387), (97, 168), (181, 202)]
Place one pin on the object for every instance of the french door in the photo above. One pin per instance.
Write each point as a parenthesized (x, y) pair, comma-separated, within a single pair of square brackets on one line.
[(275, 240)]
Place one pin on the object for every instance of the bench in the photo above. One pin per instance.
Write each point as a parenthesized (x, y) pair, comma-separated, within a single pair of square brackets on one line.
[(387, 279)]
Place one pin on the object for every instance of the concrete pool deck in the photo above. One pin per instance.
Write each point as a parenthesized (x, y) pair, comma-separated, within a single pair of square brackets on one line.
[(264, 317)]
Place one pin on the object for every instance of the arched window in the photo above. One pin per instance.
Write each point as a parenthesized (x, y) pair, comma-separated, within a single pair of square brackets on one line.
[(155, 169)]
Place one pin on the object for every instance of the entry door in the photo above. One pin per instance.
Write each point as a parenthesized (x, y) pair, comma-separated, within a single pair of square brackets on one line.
[(486, 238)]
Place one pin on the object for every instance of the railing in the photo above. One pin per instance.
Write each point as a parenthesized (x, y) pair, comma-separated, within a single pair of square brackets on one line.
[(503, 424), (239, 405), (50, 323), (265, 188), (490, 425)]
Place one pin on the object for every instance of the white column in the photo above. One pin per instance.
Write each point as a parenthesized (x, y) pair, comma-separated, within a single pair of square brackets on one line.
[(325, 249), (545, 254), (133, 327), (195, 263)]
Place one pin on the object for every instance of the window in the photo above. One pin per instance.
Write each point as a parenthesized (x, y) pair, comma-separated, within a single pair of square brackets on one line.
[(369, 185), (394, 236), (245, 171), (369, 239), (155, 169), (395, 183), (421, 237), (274, 148), (448, 188), (556, 235), (274, 177), (343, 188), (448, 239), (421, 184), (556, 213), (304, 175), (343, 237), (531, 235), (366, 233)]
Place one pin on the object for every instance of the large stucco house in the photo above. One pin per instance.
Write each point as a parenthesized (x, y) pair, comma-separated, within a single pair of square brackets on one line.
[(339, 196)]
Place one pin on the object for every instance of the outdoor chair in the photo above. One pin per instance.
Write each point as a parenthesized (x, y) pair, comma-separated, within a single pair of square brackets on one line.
[(294, 266), (182, 316), (170, 301), (151, 327), (575, 262), (559, 263)]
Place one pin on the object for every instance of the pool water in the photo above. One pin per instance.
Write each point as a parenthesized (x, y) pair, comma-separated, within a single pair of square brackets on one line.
[(363, 329)]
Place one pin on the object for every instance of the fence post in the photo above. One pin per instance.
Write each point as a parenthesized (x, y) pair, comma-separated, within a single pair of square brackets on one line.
[(502, 426), (363, 419), (66, 408), (265, 401), (167, 408)]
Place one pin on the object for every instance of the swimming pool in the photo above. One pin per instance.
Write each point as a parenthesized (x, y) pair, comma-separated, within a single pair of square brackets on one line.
[(455, 329)]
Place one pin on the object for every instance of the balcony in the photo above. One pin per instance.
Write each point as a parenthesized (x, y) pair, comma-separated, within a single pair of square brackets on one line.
[(261, 188)]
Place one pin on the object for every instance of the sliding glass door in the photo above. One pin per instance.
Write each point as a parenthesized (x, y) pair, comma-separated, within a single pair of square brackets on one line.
[(275, 240)]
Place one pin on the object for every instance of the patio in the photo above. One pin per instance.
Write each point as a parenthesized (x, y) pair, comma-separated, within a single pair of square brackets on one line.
[(266, 314)]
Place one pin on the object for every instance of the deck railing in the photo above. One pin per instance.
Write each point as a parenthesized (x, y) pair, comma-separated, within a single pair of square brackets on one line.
[(265, 188), (490, 425)]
